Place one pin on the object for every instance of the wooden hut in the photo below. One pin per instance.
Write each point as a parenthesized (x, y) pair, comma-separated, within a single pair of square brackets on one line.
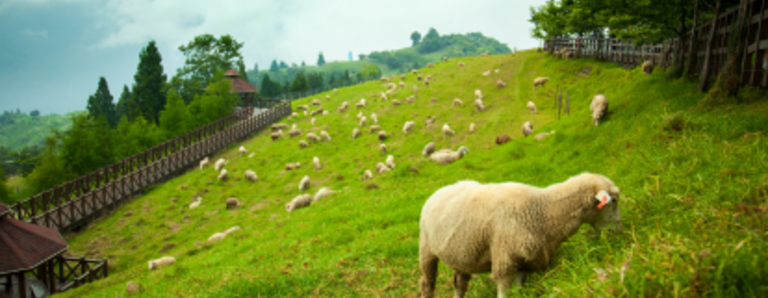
[(242, 88)]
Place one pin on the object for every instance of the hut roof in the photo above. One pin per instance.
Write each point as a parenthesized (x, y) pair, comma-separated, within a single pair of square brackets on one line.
[(24, 246), (238, 84)]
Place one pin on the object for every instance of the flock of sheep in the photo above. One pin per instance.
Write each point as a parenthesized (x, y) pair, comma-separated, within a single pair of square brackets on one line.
[(466, 225)]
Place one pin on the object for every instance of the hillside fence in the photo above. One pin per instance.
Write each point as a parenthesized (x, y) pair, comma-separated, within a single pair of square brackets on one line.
[(626, 52), (74, 202)]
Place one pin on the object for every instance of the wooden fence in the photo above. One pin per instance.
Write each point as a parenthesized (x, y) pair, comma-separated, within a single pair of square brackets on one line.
[(75, 201), (626, 52)]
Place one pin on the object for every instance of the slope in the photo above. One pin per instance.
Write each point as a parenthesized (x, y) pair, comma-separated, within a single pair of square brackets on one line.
[(692, 177)]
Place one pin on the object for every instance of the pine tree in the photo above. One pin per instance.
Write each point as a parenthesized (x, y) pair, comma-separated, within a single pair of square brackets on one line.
[(104, 143), (268, 87), (125, 146), (303, 64), (241, 70), (256, 68), (274, 67), (122, 104), (77, 148), (50, 170), (320, 59), (299, 83), (283, 65), (415, 38), (149, 81), (101, 103), (332, 80), (174, 118)]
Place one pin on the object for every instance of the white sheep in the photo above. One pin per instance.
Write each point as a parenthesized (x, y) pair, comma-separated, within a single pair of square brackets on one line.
[(479, 105), (374, 128), (362, 121), (322, 193), (381, 168), (383, 96), (299, 202), (295, 115), (509, 229), (276, 135), (461, 64), (374, 118), (500, 84), (315, 112), (401, 84), (415, 89), (457, 102), (647, 67), (527, 128), (447, 131), (232, 230), (428, 149), (471, 128), (325, 112), (410, 99), (304, 183), (251, 175), (292, 166), (324, 135), (409, 125), (396, 102), (219, 164), (161, 262), (316, 162), (204, 163), (390, 161), (532, 107), (312, 121), (355, 133), (598, 107), (327, 96), (303, 144), (543, 135), (359, 115), (487, 73), (335, 92), (302, 107), (294, 133), (383, 148), (305, 113), (382, 135), (367, 175), (316, 102), (478, 93), (196, 203), (217, 237), (446, 156), (312, 137), (279, 126), (539, 81), (232, 203), (223, 175)]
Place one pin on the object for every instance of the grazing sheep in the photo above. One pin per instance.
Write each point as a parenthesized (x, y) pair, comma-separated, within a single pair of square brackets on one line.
[(367, 175), (161, 262), (316, 162), (223, 175), (390, 161), (315, 112), (384, 96), (415, 89), (428, 149), (204, 163), (461, 64), (328, 96), (401, 84), (335, 91), (324, 135), (295, 115), (478, 93), (409, 125), (599, 107), (428, 122), (496, 70), (362, 121), (362, 103), (429, 77), (447, 131), (543, 135), (410, 99), (279, 126), (196, 203), (325, 112), (487, 73), (383, 148), (312, 137), (305, 114), (527, 128), (359, 115), (414, 71), (322, 193), (303, 107), (294, 133), (500, 83), (532, 107), (445, 59), (299, 202), (375, 118), (316, 102), (426, 82), (374, 128), (430, 65), (312, 121), (219, 164), (233, 203), (276, 135), (457, 102), (384, 79), (381, 168), (418, 78), (471, 128), (251, 175), (647, 67), (303, 144), (509, 229), (304, 183), (446, 156), (242, 150), (502, 139), (292, 166), (479, 105), (382, 135), (539, 81), (232, 230), (355, 133)]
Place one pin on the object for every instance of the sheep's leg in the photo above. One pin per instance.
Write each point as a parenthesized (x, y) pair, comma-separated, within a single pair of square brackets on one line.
[(428, 264), (503, 273), (520, 278), (460, 283)]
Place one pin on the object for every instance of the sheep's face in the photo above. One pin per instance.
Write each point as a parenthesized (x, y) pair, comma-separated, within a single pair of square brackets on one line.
[(608, 213)]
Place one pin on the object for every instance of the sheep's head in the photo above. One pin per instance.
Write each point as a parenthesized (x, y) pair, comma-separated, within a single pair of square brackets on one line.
[(463, 150), (607, 205)]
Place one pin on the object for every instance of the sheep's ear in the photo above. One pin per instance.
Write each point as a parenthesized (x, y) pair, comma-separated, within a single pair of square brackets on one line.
[(603, 197)]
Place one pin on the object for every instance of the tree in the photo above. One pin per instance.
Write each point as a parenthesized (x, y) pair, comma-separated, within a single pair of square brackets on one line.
[(431, 42), (143, 134), (174, 118), (104, 143), (126, 146), (415, 38), (5, 196), (77, 149), (320, 59), (206, 58), (274, 67), (34, 113), (256, 68), (241, 70), (123, 103), (361, 57), (49, 170), (705, 68), (283, 65), (299, 83), (148, 95), (728, 80), (268, 87), (314, 81), (332, 80), (303, 64), (101, 103)]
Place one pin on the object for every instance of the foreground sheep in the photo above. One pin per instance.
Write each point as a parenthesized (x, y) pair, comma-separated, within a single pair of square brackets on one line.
[(532, 107), (647, 67), (161, 262), (219, 164), (409, 125), (316, 162), (223, 175), (299, 202), (322, 193), (598, 107), (527, 128), (204, 163), (447, 131), (304, 183), (539, 81), (508, 229), (500, 83), (446, 156), (233, 203), (367, 175), (251, 175), (479, 106), (428, 149), (390, 161), (382, 135), (324, 136), (196, 203), (276, 135)]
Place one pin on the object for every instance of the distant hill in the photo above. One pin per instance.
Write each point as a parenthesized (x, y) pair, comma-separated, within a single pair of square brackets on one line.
[(18, 130), (395, 61)]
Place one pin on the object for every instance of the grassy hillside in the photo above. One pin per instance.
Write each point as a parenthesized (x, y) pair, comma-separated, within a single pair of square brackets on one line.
[(692, 175), (29, 131)]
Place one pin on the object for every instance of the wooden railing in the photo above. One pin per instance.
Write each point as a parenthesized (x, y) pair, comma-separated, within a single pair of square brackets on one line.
[(72, 202), (626, 52)]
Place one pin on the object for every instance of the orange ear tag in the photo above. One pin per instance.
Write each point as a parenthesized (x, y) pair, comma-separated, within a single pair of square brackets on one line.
[(602, 202)]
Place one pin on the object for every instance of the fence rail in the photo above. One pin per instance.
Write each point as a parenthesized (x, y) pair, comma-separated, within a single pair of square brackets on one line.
[(72, 202), (626, 52)]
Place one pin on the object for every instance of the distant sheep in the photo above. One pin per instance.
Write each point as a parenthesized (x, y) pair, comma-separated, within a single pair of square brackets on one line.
[(292, 166), (251, 175), (316, 162), (445, 59), (294, 133), (374, 128), (223, 175), (204, 163), (196, 203), (303, 107), (543, 135), (355, 133), (428, 149), (279, 126), (415, 89), (312, 121), (382, 135), (311, 137), (359, 115), (328, 96), (384, 79), (598, 107), (418, 78), (401, 84), (500, 84), (471, 128), (447, 131), (161, 262), (532, 107), (299, 202), (304, 183), (457, 102), (232, 230), (362, 103), (242, 150), (527, 128), (478, 93), (325, 112), (428, 122), (362, 121), (461, 64), (479, 105), (383, 148), (322, 193), (303, 144), (414, 71), (487, 73), (233, 203), (295, 115), (647, 67), (430, 65), (367, 175), (335, 91), (374, 118), (324, 136), (539, 81), (382, 168), (220, 164), (502, 139), (409, 125), (316, 102), (217, 237), (276, 135), (410, 99), (390, 161), (446, 156), (384, 96), (315, 112)]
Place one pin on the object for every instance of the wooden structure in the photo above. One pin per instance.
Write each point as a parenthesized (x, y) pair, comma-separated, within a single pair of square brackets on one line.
[(244, 90), (73, 203), (30, 256), (625, 52)]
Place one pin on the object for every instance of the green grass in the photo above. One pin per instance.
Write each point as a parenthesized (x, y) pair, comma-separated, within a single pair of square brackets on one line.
[(31, 131), (693, 181)]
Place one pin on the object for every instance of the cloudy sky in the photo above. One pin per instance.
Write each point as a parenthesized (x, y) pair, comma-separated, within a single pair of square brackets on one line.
[(52, 52)]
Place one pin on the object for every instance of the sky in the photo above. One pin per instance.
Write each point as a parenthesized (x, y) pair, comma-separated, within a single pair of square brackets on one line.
[(52, 52)]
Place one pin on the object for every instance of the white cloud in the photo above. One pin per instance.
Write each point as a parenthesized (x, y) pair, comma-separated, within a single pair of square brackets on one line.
[(33, 33)]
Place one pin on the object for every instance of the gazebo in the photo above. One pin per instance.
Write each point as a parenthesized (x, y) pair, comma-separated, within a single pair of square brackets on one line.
[(244, 90), (27, 248)]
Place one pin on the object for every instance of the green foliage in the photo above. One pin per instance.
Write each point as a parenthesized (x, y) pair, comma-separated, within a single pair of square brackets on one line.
[(320, 59), (206, 58), (148, 97), (415, 38), (34, 113), (5, 196), (126, 147), (174, 118), (299, 83), (122, 108), (50, 170), (17, 130), (273, 67), (283, 65), (214, 104), (431, 42), (101, 103), (104, 143), (77, 149)]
